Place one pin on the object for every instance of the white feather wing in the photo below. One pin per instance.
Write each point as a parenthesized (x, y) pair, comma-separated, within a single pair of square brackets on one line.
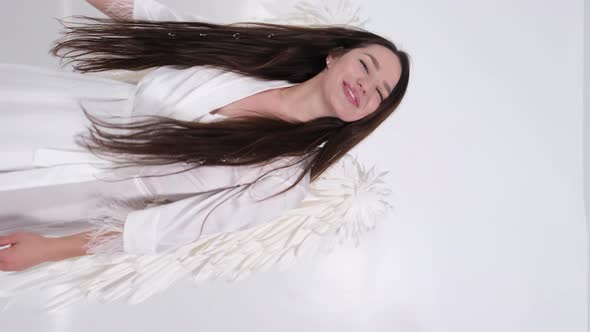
[(342, 204)]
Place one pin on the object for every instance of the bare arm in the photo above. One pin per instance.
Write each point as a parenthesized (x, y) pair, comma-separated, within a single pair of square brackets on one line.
[(22, 250), (69, 246), (121, 9)]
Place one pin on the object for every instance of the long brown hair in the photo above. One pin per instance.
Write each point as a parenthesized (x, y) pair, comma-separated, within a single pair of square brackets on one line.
[(263, 50)]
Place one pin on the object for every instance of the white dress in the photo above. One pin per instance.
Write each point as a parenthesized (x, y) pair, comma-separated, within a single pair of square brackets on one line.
[(51, 185)]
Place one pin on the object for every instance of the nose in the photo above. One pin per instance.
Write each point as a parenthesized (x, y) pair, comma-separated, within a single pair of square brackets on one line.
[(362, 88)]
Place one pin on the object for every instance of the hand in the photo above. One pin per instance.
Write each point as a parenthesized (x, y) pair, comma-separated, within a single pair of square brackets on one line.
[(26, 249)]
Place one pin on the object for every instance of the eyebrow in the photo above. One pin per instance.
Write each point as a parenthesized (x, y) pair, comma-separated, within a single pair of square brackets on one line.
[(376, 64)]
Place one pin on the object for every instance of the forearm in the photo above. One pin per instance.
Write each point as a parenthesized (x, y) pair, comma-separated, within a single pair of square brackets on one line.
[(70, 246)]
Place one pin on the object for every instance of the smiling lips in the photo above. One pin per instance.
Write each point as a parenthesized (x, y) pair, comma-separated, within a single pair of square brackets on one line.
[(350, 93)]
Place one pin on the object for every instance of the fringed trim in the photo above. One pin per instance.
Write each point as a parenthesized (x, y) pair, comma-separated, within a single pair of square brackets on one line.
[(101, 240), (120, 9), (109, 221)]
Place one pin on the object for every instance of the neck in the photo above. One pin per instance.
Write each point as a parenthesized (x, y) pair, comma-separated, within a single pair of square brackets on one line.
[(304, 101)]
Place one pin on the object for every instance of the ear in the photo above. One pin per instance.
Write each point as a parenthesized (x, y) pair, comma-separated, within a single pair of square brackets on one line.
[(329, 61), (333, 55)]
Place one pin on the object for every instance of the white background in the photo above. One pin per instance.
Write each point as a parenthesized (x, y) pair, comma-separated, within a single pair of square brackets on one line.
[(486, 164)]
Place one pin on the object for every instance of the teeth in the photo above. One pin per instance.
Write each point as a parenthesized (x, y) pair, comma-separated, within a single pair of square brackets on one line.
[(350, 93)]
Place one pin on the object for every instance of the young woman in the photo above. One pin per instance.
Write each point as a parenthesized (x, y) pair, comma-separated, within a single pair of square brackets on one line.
[(226, 130)]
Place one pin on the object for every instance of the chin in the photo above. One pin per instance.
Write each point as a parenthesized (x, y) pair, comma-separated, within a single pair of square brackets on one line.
[(345, 114), (346, 117), (344, 111), (342, 114)]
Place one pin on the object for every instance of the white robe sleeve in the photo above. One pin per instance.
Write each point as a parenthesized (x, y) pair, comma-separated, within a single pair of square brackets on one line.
[(164, 227), (155, 11), (161, 228), (150, 10)]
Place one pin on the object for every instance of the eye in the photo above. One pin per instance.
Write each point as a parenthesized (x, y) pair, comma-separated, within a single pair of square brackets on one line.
[(367, 70), (364, 65)]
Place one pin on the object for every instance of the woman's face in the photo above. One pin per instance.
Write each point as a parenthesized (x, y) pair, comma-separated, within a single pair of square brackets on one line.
[(358, 81)]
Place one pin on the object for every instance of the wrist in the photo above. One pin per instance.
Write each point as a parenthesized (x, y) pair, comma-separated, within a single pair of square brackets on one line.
[(61, 248)]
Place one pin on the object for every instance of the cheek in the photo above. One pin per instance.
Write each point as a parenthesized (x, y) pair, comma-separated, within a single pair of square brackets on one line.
[(373, 105), (338, 98)]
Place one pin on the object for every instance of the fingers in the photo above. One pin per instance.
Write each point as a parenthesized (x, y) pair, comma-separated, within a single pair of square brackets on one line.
[(8, 259), (7, 239), (8, 262), (5, 256)]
